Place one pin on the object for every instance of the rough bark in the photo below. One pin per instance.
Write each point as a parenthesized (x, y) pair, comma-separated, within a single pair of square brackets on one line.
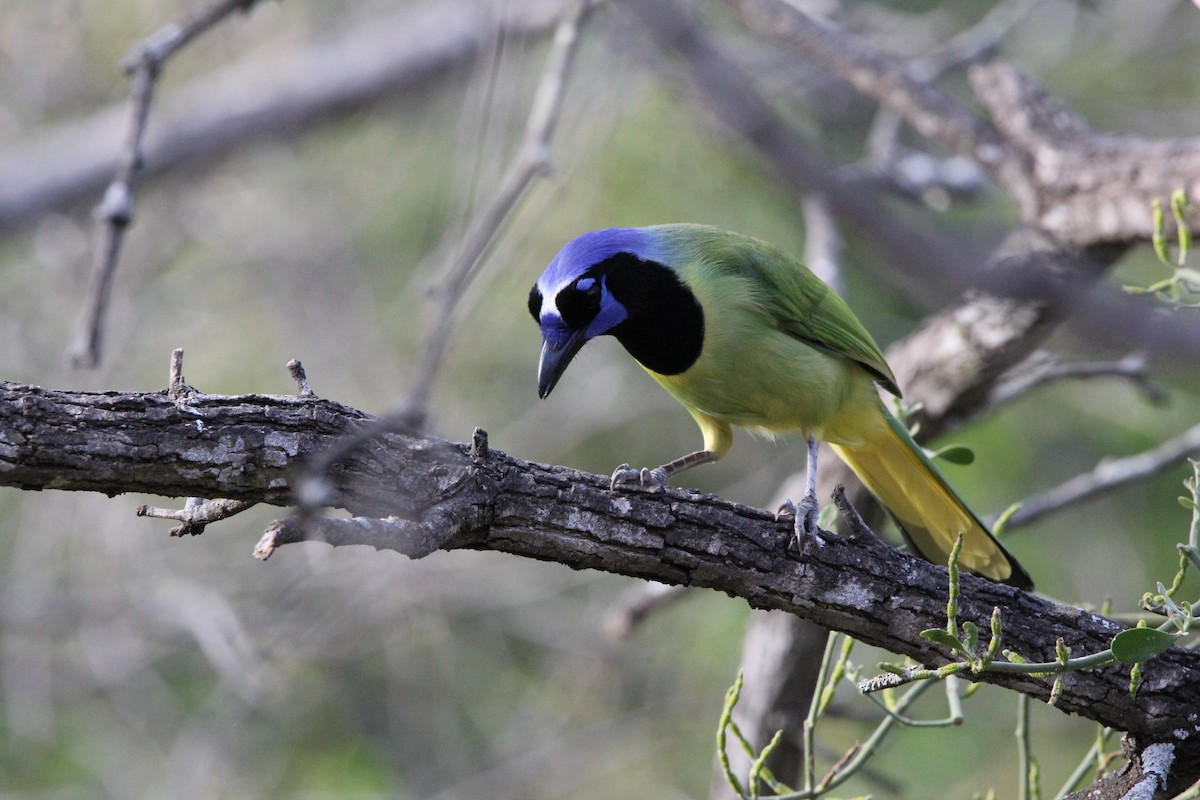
[(248, 447)]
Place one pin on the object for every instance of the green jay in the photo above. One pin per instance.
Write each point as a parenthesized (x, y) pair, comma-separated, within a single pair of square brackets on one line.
[(743, 334)]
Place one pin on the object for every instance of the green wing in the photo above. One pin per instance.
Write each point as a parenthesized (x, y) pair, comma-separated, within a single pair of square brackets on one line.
[(801, 304)]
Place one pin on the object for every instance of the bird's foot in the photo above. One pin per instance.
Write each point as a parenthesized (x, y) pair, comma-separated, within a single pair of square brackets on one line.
[(805, 525), (626, 477)]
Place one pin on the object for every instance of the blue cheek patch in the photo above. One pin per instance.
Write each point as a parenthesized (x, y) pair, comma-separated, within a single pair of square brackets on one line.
[(611, 314)]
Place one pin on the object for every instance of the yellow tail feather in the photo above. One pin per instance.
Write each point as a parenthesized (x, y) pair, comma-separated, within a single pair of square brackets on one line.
[(929, 512)]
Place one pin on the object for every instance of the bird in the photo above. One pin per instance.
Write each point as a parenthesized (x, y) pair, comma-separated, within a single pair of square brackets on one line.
[(742, 334)]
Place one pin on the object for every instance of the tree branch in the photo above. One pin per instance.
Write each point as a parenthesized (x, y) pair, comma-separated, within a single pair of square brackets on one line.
[(1042, 369), (246, 447), (196, 514), (58, 166), (533, 161), (1077, 185), (1080, 186), (115, 212), (1108, 475)]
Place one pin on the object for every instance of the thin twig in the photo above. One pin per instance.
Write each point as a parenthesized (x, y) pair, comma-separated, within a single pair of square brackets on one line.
[(296, 370), (413, 539), (1108, 475), (114, 213), (964, 48), (479, 445), (1024, 751), (196, 514), (533, 160), (176, 385), (637, 605), (1040, 370), (855, 522), (816, 707)]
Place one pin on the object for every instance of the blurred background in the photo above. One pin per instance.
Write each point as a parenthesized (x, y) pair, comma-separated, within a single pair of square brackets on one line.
[(137, 665)]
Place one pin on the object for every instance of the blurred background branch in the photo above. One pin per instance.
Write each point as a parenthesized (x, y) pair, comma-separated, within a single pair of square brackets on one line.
[(258, 97), (115, 212), (534, 159)]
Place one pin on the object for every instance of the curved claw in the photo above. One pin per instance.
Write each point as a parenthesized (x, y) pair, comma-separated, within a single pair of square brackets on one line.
[(623, 475), (806, 521), (652, 480)]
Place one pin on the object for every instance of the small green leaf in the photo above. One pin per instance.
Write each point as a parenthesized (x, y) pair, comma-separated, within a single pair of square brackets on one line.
[(956, 454), (1056, 691), (1187, 503), (1015, 657), (943, 637), (1179, 208), (1136, 677), (1062, 653), (972, 637), (1159, 241), (1140, 644), (1002, 521), (1173, 608)]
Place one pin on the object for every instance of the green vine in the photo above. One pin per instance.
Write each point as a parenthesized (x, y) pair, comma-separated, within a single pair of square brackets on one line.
[(1133, 646), (1181, 288)]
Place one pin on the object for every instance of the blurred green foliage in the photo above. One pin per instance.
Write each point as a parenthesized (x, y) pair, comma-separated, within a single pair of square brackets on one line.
[(136, 666)]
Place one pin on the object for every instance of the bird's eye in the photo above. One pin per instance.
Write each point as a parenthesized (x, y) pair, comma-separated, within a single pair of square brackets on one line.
[(580, 302), (589, 289), (535, 303)]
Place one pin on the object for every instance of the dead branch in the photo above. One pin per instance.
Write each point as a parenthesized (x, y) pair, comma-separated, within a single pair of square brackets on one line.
[(533, 161), (1079, 186), (258, 97), (247, 447), (115, 212), (196, 514), (1109, 474)]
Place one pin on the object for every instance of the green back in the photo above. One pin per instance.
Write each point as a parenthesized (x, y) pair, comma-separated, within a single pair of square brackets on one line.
[(800, 303)]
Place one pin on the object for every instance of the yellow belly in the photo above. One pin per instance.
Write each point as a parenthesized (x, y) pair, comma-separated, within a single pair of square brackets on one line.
[(778, 384)]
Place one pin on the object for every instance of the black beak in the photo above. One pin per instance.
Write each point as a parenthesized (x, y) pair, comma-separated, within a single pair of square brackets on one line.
[(554, 361)]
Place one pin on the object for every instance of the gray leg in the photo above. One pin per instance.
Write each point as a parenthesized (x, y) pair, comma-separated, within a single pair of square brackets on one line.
[(808, 510), (656, 479)]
